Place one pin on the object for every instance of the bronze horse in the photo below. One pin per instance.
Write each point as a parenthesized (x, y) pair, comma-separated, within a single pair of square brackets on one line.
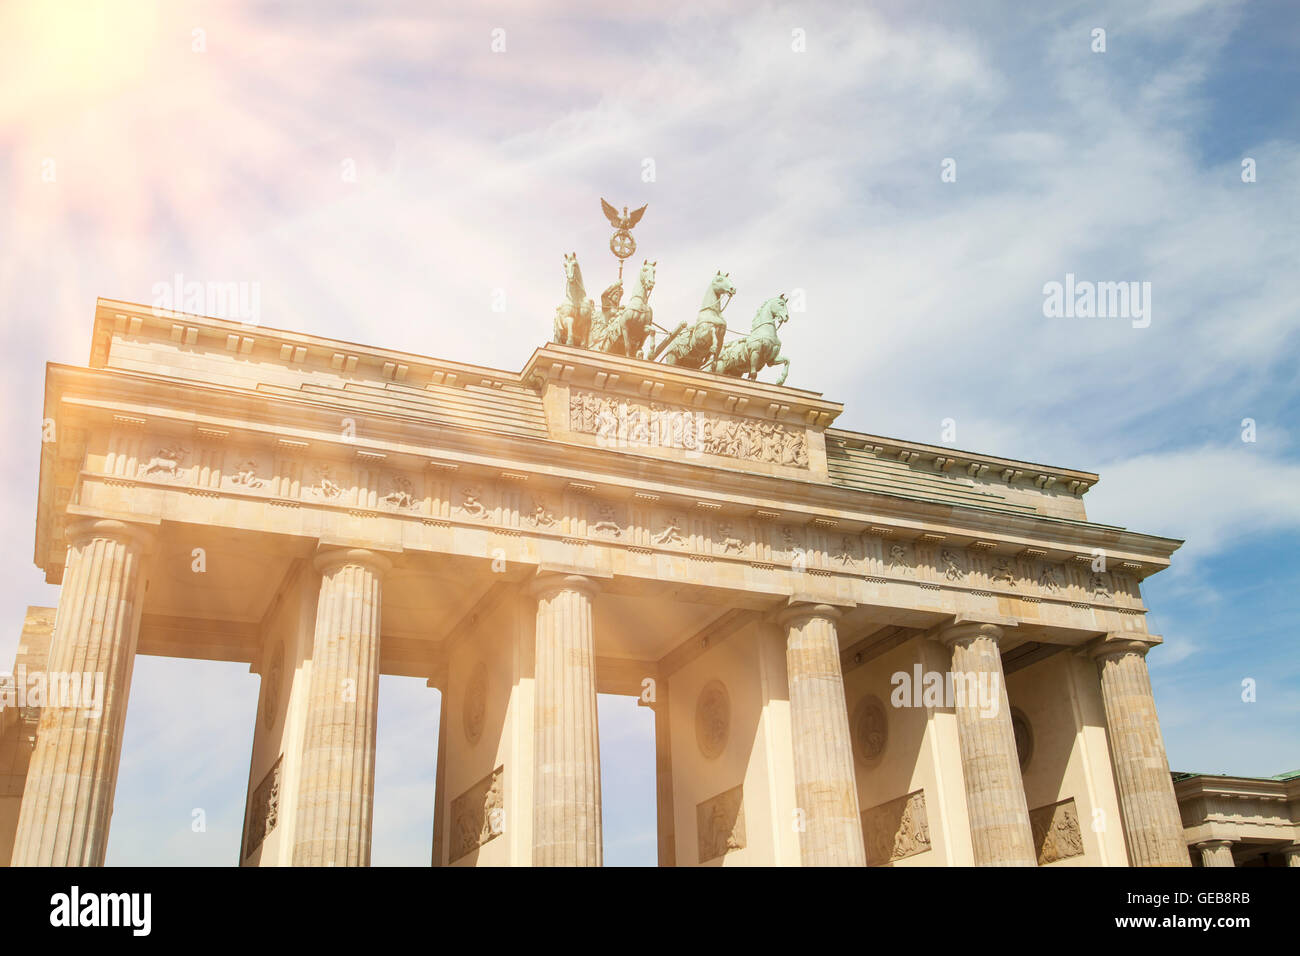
[(573, 315)]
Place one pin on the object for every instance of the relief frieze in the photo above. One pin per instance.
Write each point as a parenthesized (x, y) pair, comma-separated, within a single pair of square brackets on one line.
[(641, 523), (896, 830), (624, 423), (263, 809), (166, 463), (1057, 835), (478, 815), (401, 494), (720, 824), (246, 474)]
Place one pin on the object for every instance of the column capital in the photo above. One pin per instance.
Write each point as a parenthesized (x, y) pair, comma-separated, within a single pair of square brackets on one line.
[(965, 629), (1212, 844), (80, 530), (1118, 644), (1292, 854), (328, 557), (548, 583), (796, 610)]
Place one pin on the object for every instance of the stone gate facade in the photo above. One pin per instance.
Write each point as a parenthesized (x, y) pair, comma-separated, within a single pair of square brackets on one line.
[(858, 650)]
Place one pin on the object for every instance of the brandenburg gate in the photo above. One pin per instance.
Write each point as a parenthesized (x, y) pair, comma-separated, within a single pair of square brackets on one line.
[(858, 650)]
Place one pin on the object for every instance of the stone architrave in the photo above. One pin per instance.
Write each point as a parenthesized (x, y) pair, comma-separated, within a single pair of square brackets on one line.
[(68, 797), (1152, 823), (336, 790), (995, 794)]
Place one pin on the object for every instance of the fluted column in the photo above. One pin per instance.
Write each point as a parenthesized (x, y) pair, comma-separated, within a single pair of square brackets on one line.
[(825, 788), (1216, 853), (337, 785), (566, 749), (1292, 854), (995, 794), (68, 798), (1152, 823)]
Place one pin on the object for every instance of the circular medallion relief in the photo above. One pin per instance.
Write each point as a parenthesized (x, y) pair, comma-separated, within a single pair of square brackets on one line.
[(273, 678), (475, 706), (870, 730), (1024, 737), (713, 719)]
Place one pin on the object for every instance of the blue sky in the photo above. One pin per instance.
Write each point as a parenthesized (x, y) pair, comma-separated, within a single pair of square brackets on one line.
[(817, 171)]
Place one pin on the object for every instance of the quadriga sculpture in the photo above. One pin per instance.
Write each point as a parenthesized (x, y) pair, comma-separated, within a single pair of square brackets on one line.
[(701, 344), (573, 315), (761, 348), (626, 332)]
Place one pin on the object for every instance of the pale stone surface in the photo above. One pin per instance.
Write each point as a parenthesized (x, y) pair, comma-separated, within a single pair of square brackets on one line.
[(336, 794), (566, 787), (68, 799), (1146, 790), (995, 794), (825, 789)]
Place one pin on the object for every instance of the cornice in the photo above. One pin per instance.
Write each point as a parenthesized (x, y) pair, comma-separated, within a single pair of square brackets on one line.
[(974, 464), (363, 361), (1245, 788), (652, 381)]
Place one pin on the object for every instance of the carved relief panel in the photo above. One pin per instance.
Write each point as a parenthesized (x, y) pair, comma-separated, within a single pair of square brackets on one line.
[(1057, 835), (869, 729), (896, 830), (247, 473), (326, 483), (478, 815), (167, 461), (720, 824), (263, 809), (713, 719), (631, 423)]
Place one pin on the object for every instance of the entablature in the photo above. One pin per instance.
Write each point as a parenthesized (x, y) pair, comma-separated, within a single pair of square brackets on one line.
[(169, 452)]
